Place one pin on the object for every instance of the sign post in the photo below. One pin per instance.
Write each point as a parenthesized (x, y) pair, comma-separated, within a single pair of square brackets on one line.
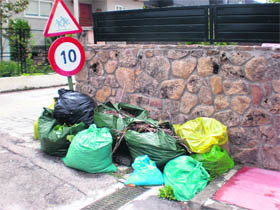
[(70, 83), (66, 54)]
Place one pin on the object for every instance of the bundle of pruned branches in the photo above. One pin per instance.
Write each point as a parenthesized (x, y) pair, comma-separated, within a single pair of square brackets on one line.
[(143, 127), (117, 114)]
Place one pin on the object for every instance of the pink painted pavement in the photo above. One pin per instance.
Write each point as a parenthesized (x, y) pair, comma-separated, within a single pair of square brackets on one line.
[(252, 188)]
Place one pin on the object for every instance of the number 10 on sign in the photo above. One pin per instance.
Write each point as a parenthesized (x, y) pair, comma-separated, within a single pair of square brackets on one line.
[(66, 56)]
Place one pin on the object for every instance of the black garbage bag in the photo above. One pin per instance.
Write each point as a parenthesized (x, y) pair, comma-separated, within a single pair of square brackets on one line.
[(73, 107)]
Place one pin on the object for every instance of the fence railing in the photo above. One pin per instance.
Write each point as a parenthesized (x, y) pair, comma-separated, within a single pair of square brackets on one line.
[(213, 23), (178, 24), (23, 52), (246, 23)]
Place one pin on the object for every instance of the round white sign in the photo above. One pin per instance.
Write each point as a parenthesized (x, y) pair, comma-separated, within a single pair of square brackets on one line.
[(67, 56)]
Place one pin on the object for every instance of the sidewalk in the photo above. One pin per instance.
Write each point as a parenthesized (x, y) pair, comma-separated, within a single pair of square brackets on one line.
[(34, 180), (8, 84), (29, 179)]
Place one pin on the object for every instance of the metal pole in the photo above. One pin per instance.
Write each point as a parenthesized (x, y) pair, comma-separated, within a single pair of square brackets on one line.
[(69, 78), (76, 16), (70, 83), (76, 10)]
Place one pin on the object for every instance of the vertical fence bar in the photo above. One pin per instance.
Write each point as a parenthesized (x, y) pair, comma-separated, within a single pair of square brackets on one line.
[(46, 61), (94, 17), (211, 13), (25, 53), (1, 44), (206, 14), (20, 51), (17, 51)]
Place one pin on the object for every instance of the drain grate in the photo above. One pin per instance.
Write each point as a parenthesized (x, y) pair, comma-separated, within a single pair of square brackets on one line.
[(116, 199)]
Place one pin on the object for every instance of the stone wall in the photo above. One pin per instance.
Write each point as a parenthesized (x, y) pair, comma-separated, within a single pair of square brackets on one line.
[(237, 85)]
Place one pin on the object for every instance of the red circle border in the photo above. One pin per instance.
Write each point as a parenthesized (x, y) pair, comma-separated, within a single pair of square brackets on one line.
[(52, 61)]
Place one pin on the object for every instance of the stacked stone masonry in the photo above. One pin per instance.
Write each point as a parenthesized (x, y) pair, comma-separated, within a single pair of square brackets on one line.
[(237, 85)]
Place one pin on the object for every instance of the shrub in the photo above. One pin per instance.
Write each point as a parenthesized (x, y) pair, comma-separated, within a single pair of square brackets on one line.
[(8, 68), (19, 35)]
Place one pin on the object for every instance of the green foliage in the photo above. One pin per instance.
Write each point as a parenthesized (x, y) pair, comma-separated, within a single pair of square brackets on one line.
[(7, 9), (8, 68), (21, 46), (208, 43), (167, 193), (33, 74), (70, 137), (50, 40), (19, 34), (274, 1)]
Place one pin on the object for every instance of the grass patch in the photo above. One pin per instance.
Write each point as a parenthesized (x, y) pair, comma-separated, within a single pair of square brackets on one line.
[(11, 68)]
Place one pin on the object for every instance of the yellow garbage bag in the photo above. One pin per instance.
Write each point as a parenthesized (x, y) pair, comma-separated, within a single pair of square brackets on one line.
[(201, 133), (36, 131), (52, 105)]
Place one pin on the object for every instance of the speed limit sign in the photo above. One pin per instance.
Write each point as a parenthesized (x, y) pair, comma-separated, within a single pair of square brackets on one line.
[(66, 56)]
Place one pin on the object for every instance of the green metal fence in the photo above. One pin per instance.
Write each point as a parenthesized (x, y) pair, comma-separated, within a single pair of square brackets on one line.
[(212, 23), (23, 52)]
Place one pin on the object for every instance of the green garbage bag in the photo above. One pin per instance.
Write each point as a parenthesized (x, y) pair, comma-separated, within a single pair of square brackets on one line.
[(201, 133), (53, 136), (117, 116), (36, 129), (91, 151), (153, 139), (186, 176), (216, 162)]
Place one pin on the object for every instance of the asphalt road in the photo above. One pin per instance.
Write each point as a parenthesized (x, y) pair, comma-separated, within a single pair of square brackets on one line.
[(30, 179)]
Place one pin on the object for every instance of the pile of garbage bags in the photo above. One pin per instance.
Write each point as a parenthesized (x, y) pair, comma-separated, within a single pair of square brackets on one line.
[(91, 138)]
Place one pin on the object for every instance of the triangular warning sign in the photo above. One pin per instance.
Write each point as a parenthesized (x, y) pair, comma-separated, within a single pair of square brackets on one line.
[(61, 21)]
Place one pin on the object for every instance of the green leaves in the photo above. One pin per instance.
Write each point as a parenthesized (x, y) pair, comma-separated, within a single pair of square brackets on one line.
[(8, 68), (19, 34), (167, 193), (7, 9)]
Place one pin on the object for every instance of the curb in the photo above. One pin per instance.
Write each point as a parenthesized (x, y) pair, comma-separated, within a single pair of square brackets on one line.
[(9, 84), (203, 200)]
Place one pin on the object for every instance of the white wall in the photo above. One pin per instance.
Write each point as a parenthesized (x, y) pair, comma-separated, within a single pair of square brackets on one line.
[(39, 23), (128, 4), (99, 5)]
